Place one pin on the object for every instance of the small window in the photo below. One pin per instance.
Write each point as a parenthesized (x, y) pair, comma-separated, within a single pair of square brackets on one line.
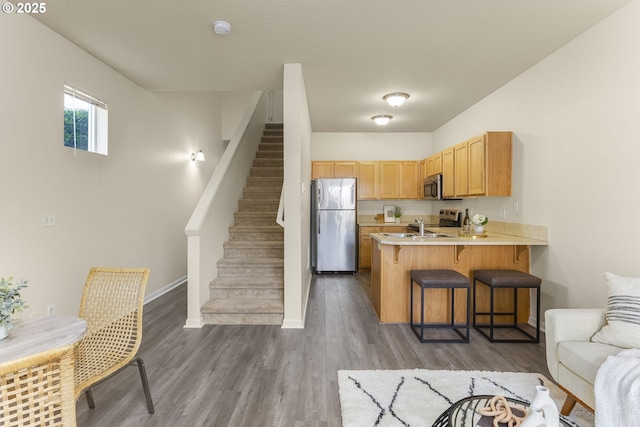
[(85, 121)]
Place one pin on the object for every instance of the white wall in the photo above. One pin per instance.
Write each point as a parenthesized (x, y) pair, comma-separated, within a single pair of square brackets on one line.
[(575, 118), (297, 162), (370, 146), (127, 209)]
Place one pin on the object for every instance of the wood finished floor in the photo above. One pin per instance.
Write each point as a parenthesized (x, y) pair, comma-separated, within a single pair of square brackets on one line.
[(267, 376)]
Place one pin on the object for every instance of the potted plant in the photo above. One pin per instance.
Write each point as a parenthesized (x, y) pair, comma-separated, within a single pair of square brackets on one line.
[(10, 303), (397, 213), (479, 221)]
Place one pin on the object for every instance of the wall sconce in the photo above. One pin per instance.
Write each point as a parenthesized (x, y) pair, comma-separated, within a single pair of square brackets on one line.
[(382, 119), (396, 99), (199, 156)]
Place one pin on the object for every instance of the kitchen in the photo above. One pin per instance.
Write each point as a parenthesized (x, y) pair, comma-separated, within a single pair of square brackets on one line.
[(481, 166)]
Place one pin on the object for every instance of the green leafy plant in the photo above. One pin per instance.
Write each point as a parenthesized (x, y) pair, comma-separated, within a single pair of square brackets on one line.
[(398, 212), (10, 300)]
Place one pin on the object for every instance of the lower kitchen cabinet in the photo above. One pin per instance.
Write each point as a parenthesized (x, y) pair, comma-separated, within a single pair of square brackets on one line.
[(365, 242)]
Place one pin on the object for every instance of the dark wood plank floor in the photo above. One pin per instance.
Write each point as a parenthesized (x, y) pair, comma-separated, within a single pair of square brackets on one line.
[(268, 376)]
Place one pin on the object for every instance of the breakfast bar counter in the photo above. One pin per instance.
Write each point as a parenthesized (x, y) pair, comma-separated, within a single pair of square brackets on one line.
[(393, 256)]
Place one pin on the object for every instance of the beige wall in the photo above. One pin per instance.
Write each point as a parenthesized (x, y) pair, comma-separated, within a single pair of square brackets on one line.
[(575, 118), (127, 209)]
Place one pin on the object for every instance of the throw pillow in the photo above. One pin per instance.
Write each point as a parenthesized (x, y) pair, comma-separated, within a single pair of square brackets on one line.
[(623, 313)]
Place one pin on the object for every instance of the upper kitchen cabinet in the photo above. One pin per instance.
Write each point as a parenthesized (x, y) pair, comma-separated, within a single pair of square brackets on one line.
[(489, 164), (368, 180), (448, 173), (399, 179), (388, 180), (461, 169), (333, 169), (434, 164), (479, 166), (410, 184)]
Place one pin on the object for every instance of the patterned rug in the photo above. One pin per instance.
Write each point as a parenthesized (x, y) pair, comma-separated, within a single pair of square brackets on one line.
[(417, 397)]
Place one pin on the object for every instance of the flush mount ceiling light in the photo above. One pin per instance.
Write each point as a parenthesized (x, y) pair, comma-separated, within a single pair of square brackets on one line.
[(199, 156), (221, 28), (396, 99), (381, 119)]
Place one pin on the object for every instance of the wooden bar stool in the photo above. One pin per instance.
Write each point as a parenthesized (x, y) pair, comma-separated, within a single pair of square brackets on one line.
[(440, 279), (505, 279)]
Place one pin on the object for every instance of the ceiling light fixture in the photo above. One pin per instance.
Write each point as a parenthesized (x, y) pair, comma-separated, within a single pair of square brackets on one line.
[(199, 156), (396, 99), (222, 28), (381, 119)]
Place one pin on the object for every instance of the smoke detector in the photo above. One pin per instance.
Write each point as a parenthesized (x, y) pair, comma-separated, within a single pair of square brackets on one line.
[(222, 28)]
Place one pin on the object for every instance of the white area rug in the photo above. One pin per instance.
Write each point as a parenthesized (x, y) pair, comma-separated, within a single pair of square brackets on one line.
[(417, 397)]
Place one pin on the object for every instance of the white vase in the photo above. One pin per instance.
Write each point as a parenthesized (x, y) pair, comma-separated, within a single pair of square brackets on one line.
[(534, 419), (4, 331), (543, 401), (479, 228)]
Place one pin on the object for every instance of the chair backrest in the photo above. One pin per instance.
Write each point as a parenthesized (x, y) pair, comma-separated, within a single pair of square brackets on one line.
[(38, 390), (111, 305)]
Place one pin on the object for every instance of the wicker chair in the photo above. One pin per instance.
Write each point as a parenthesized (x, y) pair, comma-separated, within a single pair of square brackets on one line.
[(37, 390), (111, 304)]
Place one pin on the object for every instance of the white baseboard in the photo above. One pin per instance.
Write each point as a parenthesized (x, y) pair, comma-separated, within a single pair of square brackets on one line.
[(165, 289), (299, 323)]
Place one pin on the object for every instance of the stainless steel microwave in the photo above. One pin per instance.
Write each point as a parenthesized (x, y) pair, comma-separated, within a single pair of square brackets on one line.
[(433, 188)]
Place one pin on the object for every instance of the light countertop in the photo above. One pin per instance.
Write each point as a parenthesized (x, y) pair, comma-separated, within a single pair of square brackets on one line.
[(492, 238)]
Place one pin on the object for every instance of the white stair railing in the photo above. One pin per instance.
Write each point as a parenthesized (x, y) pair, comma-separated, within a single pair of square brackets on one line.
[(280, 215)]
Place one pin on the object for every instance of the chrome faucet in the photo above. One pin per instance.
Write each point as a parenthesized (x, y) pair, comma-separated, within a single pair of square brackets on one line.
[(420, 222)]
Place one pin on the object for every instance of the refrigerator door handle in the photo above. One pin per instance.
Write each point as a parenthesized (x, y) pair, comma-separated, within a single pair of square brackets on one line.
[(319, 195), (318, 224), (353, 195)]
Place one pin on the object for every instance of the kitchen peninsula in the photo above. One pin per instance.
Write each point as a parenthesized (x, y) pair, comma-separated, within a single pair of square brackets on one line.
[(393, 257)]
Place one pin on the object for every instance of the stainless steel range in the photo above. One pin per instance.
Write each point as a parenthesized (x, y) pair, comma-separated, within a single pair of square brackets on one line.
[(447, 218)]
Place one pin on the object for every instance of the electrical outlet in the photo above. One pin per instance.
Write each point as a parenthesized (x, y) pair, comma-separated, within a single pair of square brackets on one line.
[(516, 206), (503, 214), (48, 219), (51, 310)]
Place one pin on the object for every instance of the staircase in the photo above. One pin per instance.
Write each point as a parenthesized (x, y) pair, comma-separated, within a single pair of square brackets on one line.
[(249, 289)]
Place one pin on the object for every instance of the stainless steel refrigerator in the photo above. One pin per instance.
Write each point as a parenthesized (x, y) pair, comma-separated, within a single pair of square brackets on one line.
[(333, 225)]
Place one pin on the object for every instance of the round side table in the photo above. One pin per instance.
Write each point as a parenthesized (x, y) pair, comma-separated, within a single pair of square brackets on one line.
[(464, 413)]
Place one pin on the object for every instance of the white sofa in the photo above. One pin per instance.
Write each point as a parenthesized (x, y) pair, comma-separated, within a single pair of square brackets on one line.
[(572, 358)]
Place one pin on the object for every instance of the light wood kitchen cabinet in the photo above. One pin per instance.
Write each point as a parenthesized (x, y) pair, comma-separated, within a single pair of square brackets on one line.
[(461, 168), (389, 180), (368, 180), (448, 172), (434, 164), (365, 241), (410, 183), (479, 166), (333, 169), (490, 164)]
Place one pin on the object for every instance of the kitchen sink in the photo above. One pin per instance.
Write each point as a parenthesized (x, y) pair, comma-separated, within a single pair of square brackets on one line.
[(434, 235), (399, 234), (414, 236)]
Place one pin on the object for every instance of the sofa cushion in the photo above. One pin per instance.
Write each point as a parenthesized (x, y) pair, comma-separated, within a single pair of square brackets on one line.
[(584, 358), (623, 313)]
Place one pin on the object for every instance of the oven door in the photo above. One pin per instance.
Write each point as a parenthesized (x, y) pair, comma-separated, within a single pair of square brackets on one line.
[(433, 188)]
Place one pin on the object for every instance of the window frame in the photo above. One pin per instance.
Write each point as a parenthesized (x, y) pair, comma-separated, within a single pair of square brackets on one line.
[(97, 120)]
